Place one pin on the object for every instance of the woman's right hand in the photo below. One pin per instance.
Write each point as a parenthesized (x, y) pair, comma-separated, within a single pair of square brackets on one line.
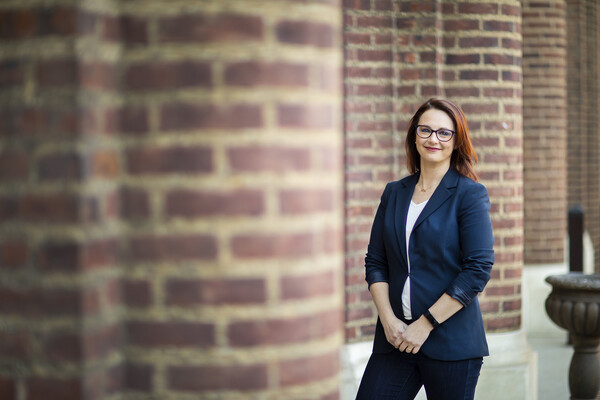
[(394, 328)]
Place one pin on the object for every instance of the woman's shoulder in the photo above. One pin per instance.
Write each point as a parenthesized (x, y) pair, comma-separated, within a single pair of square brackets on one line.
[(400, 183)]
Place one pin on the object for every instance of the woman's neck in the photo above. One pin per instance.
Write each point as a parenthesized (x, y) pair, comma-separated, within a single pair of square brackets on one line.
[(431, 176)]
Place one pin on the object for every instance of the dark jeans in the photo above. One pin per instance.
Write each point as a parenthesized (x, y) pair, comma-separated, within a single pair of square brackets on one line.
[(399, 376)]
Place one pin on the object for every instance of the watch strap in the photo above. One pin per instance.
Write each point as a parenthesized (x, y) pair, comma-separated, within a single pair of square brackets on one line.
[(431, 319)]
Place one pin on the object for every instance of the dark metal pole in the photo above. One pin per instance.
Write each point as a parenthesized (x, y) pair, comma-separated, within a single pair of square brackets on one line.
[(576, 239)]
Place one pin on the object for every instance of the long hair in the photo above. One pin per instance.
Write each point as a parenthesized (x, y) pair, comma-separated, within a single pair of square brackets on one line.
[(463, 157)]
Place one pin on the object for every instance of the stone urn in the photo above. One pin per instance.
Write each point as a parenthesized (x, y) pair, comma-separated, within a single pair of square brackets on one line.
[(574, 304)]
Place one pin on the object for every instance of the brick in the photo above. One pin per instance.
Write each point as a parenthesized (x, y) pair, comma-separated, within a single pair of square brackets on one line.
[(61, 166), (308, 286), (72, 256), (500, 59), (18, 24), (513, 305), (504, 324), (305, 116), (62, 346), (461, 25), (129, 120), (15, 345), (283, 331), (480, 41), (133, 30), (170, 334), (192, 28), (55, 73), (357, 4), (306, 33), (12, 73), (269, 158), (502, 26), (477, 8), (8, 388), (137, 293), (217, 377), (306, 201), (169, 160), (97, 76), (181, 116), (511, 44), (105, 164), (13, 253), (49, 208), (167, 75), (309, 369), (500, 290), (134, 203), (201, 203), (187, 292), (138, 377), (453, 59), (276, 74), (174, 247), (49, 388), (14, 165), (379, 22), (479, 75), (264, 246)]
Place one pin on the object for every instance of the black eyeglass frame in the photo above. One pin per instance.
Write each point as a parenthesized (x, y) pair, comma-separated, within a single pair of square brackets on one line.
[(436, 133)]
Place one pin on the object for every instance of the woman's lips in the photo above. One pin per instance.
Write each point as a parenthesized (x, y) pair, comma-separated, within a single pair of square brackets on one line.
[(432, 149)]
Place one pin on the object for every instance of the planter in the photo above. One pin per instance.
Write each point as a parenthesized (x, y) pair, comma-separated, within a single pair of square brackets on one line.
[(574, 304)]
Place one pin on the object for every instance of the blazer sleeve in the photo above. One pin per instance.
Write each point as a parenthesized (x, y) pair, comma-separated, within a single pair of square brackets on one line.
[(477, 246), (376, 264)]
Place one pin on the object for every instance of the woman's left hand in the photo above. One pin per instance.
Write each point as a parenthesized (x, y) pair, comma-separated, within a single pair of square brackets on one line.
[(415, 335)]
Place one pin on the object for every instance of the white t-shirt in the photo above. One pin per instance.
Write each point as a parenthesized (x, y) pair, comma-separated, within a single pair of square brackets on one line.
[(414, 210)]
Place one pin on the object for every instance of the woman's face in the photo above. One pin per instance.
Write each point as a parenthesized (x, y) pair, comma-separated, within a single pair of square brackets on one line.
[(432, 150)]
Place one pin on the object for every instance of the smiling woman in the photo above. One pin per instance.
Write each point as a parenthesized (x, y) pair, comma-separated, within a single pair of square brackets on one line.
[(429, 255)]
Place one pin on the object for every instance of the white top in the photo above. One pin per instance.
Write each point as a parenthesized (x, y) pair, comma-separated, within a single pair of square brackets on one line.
[(414, 210)]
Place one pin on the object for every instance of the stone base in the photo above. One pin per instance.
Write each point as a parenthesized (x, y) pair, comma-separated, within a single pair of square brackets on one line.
[(510, 373)]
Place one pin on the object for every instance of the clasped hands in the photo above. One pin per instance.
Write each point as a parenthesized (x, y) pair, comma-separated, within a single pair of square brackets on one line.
[(407, 338)]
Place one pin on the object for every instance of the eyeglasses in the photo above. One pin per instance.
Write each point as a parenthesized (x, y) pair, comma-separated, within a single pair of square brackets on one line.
[(442, 134)]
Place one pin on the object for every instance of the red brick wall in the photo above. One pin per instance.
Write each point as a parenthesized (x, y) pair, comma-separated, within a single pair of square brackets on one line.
[(544, 130), (59, 251), (398, 54), (171, 200), (583, 121)]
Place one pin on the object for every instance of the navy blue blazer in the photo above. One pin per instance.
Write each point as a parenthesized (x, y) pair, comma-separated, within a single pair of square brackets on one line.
[(451, 251)]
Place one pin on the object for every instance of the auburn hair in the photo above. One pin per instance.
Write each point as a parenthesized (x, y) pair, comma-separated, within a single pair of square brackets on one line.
[(463, 157)]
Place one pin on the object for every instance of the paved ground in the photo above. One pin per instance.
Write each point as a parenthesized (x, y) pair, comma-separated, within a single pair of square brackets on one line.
[(554, 357)]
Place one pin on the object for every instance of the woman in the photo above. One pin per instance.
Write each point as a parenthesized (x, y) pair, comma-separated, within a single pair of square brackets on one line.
[(429, 255)]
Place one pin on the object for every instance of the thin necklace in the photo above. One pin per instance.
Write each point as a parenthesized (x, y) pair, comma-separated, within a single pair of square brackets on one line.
[(423, 189)]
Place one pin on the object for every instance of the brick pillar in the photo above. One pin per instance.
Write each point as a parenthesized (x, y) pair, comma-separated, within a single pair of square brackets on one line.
[(398, 54), (544, 130), (171, 200), (583, 60), (232, 197), (59, 267)]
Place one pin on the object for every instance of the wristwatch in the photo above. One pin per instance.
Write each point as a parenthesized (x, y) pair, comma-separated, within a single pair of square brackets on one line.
[(431, 319)]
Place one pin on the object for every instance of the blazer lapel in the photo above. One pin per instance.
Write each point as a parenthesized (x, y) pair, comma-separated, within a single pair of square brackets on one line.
[(444, 190), (402, 202)]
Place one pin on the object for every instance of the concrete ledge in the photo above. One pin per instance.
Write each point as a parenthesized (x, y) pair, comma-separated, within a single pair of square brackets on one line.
[(510, 372)]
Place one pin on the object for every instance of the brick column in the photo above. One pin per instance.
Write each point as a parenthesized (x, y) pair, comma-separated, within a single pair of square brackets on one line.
[(398, 54), (544, 130), (583, 60), (171, 200), (232, 197), (59, 266)]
